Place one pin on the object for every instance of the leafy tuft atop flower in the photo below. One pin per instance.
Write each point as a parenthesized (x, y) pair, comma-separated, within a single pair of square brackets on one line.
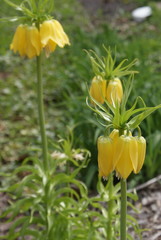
[(107, 67)]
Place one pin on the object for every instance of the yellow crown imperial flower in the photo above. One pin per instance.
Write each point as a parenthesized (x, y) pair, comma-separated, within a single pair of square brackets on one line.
[(128, 153), (26, 41), (126, 157), (114, 91), (114, 135), (98, 89), (105, 156), (52, 34)]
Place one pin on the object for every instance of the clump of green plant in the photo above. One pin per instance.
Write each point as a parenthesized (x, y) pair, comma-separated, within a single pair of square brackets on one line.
[(119, 149), (43, 206), (45, 200), (49, 201)]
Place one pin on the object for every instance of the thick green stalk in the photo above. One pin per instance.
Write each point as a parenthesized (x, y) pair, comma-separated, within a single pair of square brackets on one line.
[(43, 136), (41, 115), (110, 208), (123, 210)]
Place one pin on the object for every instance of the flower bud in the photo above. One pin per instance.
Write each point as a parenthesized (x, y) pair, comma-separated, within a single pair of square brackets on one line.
[(98, 89), (105, 156), (114, 91)]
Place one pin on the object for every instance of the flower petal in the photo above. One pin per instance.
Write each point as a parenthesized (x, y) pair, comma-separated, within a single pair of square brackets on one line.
[(133, 150)]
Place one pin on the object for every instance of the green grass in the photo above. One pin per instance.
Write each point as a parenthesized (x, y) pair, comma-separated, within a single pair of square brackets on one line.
[(66, 74)]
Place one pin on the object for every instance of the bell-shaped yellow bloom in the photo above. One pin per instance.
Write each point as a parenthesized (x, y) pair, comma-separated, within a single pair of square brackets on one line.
[(52, 34), (114, 91), (126, 155), (19, 40), (121, 153), (26, 41), (105, 156), (33, 47), (98, 89), (114, 135), (141, 142)]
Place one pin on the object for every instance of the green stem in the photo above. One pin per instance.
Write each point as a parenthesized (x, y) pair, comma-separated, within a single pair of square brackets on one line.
[(41, 115), (110, 208), (123, 210)]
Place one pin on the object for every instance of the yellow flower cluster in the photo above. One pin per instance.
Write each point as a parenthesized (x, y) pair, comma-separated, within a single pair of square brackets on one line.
[(123, 154), (29, 40), (101, 89)]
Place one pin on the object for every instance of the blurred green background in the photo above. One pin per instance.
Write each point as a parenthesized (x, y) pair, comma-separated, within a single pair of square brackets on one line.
[(66, 75)]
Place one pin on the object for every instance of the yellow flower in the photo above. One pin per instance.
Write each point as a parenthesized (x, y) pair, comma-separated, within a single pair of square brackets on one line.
[(121, 153), (105, 156), (98, 89), (19, 40), (52, 34), (26, 41), (33, 47), (141, 142), (114, 91), (126, 155)]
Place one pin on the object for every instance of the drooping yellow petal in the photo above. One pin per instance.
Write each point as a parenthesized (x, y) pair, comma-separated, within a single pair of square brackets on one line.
[(114, 91), (114, 135), (19, 40), (58, 34), (30, 49), (46, 32), (124, 165), (141, 142), (97, 89), (14, 44), (35, 39), (105, 156), (133, 150), (118, 146), (50, 47), (22, 42)]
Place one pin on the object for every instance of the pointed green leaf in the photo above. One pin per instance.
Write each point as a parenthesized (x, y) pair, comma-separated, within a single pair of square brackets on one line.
[(116, 118), (132, 110), (12, 4), (16, 224), (128, 85), (106, 116), (135, 121)]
